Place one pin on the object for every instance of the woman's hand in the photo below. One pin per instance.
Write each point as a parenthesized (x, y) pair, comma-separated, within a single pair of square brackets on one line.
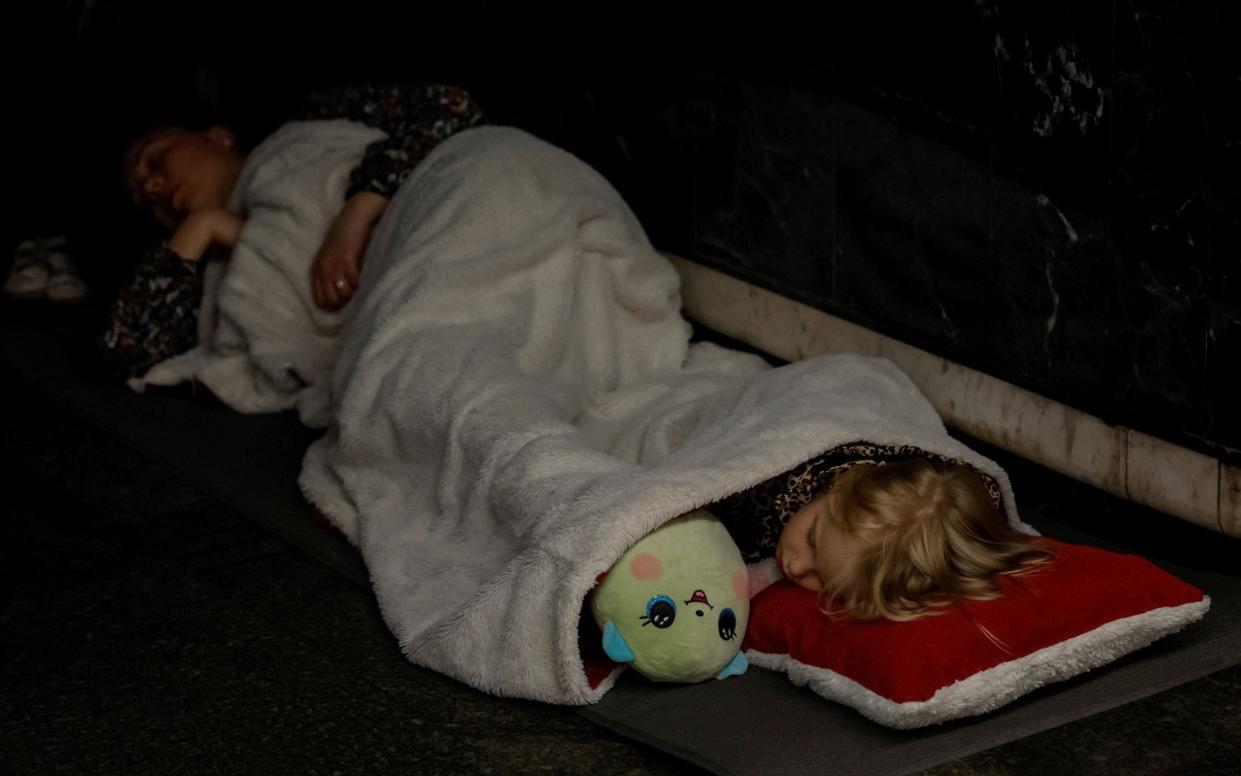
[(334, 275), (202, 229)]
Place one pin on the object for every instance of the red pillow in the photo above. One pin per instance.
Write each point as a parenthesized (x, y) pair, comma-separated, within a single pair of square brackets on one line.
[(1084, 609)]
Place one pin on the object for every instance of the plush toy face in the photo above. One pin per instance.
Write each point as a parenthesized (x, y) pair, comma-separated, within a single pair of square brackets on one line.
[(675, 605)]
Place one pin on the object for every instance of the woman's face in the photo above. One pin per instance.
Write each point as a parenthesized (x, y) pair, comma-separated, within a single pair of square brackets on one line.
[(172, 172)]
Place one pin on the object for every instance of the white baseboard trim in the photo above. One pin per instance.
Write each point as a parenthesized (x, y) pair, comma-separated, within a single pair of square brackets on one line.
[(1121, 461)]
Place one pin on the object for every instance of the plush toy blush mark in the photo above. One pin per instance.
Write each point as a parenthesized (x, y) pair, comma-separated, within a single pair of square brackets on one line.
[(646, 567), (741, 585)]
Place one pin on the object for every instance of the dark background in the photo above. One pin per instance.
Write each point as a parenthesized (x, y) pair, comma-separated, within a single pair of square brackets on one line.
[(1046, 191)]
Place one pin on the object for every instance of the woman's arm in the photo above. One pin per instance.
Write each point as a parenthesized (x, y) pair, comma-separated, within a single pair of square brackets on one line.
[(202, 229), (155, 315), (416, 118), (334, 274)]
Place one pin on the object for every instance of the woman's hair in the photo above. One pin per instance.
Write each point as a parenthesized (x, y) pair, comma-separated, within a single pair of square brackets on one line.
[(925, 533)]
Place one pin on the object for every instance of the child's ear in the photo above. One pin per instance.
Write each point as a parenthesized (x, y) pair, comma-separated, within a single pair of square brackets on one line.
[(222, 136)]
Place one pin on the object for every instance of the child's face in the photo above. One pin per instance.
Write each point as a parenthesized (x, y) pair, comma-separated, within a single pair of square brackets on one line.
[(812, 549), (172, 172)]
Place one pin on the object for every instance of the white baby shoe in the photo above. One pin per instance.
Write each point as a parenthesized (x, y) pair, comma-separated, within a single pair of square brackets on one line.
[(30, 273), (64, 285)]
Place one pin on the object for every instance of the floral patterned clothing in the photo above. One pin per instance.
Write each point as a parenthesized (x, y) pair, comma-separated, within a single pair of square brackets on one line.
[(415, 118), (155, 316)]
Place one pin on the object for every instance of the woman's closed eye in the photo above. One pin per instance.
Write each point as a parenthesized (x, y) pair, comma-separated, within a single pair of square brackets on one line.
[(153, 159)]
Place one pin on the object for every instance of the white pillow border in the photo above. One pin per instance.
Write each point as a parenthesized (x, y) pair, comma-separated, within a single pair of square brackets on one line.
[(1001, 684)]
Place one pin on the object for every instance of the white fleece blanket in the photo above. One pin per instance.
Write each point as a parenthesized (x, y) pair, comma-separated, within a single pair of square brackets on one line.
[(517, 401), (263, 345)]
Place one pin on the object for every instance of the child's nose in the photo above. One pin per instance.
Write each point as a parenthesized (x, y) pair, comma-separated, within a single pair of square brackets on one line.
[(798, 564)]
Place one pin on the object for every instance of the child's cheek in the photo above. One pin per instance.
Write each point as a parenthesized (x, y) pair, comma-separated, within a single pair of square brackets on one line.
[(782, 541)]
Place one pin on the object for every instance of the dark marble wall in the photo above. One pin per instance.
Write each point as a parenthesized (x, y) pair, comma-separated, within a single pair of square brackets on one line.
[(1045, 190)]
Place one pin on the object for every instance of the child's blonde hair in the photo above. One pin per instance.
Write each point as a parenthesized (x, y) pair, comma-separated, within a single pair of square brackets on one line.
[(925, 533)]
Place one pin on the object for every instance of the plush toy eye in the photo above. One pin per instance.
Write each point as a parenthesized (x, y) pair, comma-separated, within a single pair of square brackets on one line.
[(728, 625), (660, 611)]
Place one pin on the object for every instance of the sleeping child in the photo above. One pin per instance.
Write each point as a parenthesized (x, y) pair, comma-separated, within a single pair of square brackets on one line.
[(880, 532)]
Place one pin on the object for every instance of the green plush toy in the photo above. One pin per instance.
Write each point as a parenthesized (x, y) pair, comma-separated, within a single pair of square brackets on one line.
[(675, 605)]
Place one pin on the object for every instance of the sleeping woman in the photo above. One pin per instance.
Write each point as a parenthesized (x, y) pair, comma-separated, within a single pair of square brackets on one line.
[(184, 178)]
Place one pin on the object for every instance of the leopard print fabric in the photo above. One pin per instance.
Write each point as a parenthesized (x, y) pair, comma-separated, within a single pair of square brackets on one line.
[(755, 517)]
